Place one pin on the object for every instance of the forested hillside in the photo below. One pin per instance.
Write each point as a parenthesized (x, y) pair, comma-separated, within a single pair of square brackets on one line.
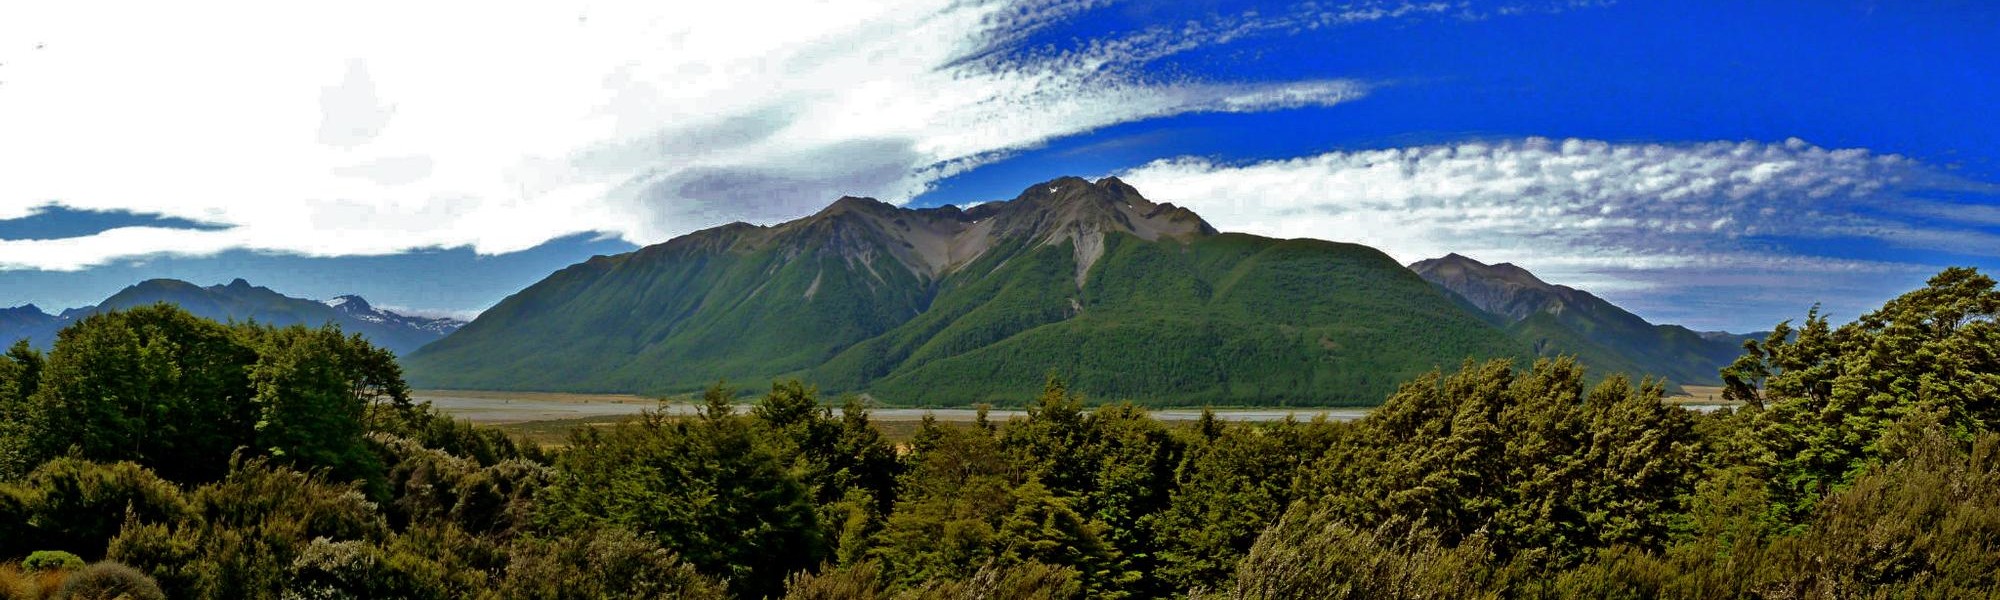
[(1088, 280), (161, 455)]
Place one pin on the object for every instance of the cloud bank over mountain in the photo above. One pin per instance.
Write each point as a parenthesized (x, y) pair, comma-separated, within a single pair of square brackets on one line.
[(1612, 217), (376, 128)]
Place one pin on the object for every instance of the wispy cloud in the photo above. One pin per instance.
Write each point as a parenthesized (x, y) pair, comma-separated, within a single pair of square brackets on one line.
[(380, 127), (1630, 219)]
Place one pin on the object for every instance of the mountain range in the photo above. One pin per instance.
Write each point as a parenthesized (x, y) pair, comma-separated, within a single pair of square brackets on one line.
[(239, 301), (1556, 319), (1123, 297), (1126, 298)]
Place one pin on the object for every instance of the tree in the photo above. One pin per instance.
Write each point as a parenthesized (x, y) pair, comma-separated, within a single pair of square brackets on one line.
[(1226, 491), (313, 388), (1527, 461), (179, 394), (154, 385), (953, 499), (708, 487), (20, 376), (1825, 399)]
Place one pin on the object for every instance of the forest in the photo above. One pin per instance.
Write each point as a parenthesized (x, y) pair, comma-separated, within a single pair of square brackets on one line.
[(152, 454)]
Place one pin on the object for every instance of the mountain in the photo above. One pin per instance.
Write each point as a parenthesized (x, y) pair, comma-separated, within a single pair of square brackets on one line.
[(1126, 298), (357, 309), (28, 321), (1557, 319), (240, 301)]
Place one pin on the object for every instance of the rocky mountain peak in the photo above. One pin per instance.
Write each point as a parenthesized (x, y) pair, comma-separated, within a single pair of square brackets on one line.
[(1070, 205), (351, 303), (1501, 289), (1455, 265), (932, 242)]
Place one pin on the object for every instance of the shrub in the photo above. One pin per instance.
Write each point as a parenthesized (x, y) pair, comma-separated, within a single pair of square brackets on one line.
[(1317, 555), (605, 563), (1027, 581), (110, 581), (76, 505), (43, 560), (860, 582)]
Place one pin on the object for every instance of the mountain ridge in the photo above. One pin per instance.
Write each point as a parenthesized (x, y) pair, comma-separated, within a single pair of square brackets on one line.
[(239, 300), (1561, 319), (1125, 297)]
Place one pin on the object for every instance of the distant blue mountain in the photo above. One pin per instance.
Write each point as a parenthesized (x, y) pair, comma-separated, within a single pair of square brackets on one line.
[(239, 301)]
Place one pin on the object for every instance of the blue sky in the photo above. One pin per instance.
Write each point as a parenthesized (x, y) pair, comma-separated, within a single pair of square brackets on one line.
[(1719, 164)]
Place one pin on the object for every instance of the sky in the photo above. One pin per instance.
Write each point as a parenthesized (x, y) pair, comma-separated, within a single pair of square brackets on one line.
[(1722, 165)]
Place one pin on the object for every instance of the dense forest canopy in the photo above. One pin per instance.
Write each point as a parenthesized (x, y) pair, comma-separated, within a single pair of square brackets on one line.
[(154, 454)]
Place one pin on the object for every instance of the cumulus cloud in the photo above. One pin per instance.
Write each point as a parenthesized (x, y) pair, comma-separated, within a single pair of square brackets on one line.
[(379, 127), (1627, 219)]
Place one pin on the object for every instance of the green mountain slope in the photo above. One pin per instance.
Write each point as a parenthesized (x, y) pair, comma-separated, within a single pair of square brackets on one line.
[(1556, 319), (1124, 297)]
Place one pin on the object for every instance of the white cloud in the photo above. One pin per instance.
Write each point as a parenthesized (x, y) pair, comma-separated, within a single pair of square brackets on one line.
[(378, 127), (1625, 219)]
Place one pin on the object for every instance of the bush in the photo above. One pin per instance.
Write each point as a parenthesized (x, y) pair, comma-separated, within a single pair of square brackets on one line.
[(860, 582), (248, 530), (1027, 581), (605, 563), (1317, 555), (76, 505), (43, 560), (110, 581)]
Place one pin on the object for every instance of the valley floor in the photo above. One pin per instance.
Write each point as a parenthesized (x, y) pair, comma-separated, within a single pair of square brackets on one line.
[(521, 408)]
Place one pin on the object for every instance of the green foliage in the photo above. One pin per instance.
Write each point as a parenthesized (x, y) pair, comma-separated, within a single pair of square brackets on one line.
[(432, 486), (1830, 398), (1924, 526), (246, 532), (860, 581), (427, 427), (20, 376), (179, 395), (947, 518), (154, 385), (847, 467), (684, 481), (1490, 482), (46, 560), (1233, 482), (603, 563), (77, 506), (1528, 461), (1316, 555), (864, 581), (313, 388)]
